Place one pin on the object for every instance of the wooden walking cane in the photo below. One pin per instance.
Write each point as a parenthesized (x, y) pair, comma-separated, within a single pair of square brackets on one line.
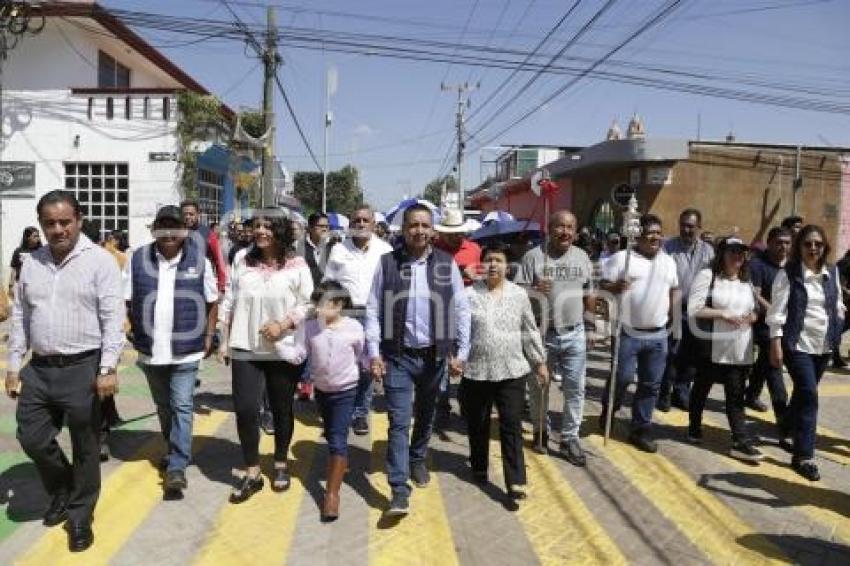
[(631, 229), (542, 184)]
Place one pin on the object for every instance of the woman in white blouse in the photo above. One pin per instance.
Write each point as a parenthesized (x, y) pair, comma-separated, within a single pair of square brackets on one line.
[(723, 294), (506, 346), (267, 295), (805, 319)]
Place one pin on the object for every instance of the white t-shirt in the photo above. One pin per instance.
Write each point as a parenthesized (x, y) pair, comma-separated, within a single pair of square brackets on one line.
[(647, 303), (163, 316), (729, 345), (354, 268)]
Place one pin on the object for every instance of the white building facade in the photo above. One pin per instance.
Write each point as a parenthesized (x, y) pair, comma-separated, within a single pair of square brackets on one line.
[(92, 106)]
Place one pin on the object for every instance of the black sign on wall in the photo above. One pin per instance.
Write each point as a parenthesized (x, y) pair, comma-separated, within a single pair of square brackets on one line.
[(17, 179)]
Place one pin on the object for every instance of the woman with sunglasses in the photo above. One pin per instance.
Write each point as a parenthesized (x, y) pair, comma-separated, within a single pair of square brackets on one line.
[(805, 319), (724, 295)]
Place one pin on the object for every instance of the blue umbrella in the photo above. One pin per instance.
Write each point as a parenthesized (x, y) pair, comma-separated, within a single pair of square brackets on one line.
[(497, 216), (337, 221), (504, 228), (395, 214)]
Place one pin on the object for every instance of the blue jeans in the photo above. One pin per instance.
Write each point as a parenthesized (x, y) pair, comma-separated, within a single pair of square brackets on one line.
[(173, 388), (363, 394), (407, 374), (802, 414), (567, 356), (336, 408), (645, 354)]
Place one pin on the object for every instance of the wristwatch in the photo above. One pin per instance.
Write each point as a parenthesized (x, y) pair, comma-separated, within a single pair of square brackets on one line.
[(105, 371)]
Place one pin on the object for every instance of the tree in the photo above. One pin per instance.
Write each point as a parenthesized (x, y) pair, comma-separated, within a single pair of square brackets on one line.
[(434, 189), (344, 191)]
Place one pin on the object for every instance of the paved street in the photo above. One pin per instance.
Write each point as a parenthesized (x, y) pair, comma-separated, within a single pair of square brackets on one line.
[(685, 505)]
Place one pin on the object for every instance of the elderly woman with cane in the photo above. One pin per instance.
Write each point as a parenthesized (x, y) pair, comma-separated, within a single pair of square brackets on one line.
[(506, 346)]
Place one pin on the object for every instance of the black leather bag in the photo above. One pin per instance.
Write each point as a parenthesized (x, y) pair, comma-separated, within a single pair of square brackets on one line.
[(701, 340)]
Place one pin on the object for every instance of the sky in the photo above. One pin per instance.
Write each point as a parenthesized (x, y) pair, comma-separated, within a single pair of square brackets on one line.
[(393, 122)]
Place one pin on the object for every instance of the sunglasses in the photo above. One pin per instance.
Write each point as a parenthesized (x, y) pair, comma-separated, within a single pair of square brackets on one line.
[(813, 244)]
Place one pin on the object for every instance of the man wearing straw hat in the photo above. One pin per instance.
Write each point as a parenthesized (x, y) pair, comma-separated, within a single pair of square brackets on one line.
[(452, 231)]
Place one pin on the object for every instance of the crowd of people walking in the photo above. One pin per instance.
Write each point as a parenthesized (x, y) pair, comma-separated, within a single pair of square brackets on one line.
[(282, 305)]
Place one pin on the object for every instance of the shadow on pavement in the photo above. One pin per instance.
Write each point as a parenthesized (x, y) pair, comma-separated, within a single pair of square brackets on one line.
[(803, 550), (206, 401), (22, 493)]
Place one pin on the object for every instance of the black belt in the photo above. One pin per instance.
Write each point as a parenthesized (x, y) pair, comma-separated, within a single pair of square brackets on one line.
[(62, 360), (571, 328), (649, 330), (426, 352)]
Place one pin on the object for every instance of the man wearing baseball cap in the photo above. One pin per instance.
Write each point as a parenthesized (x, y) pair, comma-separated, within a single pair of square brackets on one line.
[(172, 331)]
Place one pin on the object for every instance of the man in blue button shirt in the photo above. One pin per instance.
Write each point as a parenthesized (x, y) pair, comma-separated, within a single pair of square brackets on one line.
[(417, 323)]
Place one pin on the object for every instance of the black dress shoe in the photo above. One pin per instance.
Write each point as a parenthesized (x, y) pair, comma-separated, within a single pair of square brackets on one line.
[(58, 510), (80, 536), (642, 441), (680, 403), (176, 480), (807, 469), (248, 487), (663, 403)]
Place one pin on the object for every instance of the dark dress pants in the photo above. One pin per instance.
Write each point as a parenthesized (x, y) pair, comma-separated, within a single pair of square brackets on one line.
[(763, 373), (50, 395), (508, 395), (732, 377)]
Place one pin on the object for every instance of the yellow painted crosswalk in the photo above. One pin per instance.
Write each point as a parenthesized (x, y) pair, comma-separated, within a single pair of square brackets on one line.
[(424, 536), (707, 522), (127, 498), (260, 530), (818, 502), (559, 526), (559, 523)]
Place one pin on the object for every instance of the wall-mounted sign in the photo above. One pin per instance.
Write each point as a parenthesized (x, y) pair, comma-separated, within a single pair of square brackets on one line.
[(621, 194), (659, 175), (17, 179), (162, 156)]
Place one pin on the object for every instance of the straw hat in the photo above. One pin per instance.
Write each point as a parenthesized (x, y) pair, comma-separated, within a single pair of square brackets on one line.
[(452, 222)]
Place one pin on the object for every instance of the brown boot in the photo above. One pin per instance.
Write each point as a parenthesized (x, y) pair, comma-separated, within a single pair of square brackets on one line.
[(336, 470)]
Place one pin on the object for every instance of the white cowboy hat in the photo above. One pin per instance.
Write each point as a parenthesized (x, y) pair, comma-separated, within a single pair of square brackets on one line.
[(452, 223)]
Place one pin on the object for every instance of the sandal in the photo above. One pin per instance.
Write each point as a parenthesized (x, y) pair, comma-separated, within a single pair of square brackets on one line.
[(248, 487), (282, 480)]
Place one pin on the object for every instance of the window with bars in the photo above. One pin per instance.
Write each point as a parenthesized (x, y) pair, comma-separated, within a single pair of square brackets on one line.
[(210, 187), (103, 190)]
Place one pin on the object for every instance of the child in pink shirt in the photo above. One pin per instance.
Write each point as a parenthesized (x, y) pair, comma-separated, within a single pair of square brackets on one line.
[(333, 345)]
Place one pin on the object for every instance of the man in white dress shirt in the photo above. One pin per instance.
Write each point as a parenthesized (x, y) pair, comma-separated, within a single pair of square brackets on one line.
[(68, 311), (352, 264)]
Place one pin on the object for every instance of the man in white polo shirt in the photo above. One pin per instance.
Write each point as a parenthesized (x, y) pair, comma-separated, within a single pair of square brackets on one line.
[(170, 289), (352, 264), (647, 291)]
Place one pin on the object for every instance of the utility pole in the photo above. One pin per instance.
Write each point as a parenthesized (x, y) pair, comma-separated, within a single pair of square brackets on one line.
[(272, 60), (454, 199), (330, 88)]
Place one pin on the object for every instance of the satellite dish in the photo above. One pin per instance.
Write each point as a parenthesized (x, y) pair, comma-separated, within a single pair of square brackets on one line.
[(535, 182)]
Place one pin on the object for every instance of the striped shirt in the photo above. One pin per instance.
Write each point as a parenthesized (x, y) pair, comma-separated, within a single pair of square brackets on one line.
[(68, 308)]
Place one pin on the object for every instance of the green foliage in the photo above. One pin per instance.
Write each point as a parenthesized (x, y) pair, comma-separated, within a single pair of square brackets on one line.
[(434, 189), (344, 192), (197, 116), (254, 123)]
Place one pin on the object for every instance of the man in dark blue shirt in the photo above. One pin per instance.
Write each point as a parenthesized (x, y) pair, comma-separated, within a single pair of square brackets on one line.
[(763, 270)]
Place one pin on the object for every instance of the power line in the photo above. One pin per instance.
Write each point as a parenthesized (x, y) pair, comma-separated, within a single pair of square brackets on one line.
[(637, 33), (572, 41), (296, 122)]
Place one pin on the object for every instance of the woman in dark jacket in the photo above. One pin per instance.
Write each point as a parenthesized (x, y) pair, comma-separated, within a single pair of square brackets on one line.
[(805, 319)]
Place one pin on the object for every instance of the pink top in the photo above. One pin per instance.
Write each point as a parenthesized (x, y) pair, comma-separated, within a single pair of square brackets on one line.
[(333, 352)]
